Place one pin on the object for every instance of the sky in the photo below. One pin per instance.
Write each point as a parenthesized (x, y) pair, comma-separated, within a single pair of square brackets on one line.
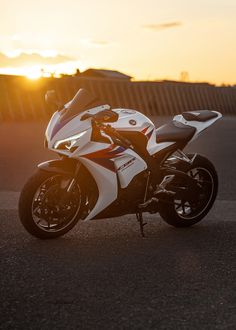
[(146, 39)]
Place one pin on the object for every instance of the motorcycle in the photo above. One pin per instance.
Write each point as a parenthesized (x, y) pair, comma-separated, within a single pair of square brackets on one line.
[(115, 162)]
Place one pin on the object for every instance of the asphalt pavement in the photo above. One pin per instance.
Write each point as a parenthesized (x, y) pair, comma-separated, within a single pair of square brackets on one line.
[(103, 275)]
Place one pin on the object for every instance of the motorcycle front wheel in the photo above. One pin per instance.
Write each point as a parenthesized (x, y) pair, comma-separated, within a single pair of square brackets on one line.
[(46, 210), (183, 212)]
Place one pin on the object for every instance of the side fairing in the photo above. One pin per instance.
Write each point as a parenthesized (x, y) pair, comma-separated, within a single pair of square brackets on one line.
[(127, 166), (106, 181), (109, 164)]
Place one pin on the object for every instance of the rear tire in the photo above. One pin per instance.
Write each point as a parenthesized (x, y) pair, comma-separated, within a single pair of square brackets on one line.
[(28, 200), (168, 210)]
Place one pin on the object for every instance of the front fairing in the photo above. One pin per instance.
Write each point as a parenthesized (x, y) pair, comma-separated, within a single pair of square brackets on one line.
[(59, 129)]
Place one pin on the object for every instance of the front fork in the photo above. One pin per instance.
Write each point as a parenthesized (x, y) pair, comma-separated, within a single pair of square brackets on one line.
[(67, 185), (73, 180)]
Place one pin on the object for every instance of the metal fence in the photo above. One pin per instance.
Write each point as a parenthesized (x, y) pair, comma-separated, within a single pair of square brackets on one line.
[(22, 99)]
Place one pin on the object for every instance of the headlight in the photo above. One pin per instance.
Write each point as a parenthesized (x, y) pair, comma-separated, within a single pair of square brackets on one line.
[(69, 142)]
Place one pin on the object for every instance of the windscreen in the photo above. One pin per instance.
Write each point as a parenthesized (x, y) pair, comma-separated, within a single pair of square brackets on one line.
[(83, 100)]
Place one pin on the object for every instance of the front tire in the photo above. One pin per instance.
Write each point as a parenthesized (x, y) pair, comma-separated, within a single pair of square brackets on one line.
[(183, 213), (42, 210)]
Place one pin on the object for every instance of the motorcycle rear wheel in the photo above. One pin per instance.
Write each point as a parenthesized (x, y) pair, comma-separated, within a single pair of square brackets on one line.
[(184, 213), (43, 211)]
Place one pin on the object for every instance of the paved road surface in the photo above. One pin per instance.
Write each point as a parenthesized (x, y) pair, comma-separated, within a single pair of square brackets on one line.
[(102, 275)]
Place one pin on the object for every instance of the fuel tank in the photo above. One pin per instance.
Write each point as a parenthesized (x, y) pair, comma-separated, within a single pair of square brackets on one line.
[(137, 128), (131, 120)]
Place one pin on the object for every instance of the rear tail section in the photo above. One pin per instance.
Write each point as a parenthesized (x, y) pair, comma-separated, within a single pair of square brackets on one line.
[(200, 120)]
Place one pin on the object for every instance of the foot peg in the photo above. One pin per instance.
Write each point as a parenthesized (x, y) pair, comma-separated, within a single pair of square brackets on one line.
[(148, 202)]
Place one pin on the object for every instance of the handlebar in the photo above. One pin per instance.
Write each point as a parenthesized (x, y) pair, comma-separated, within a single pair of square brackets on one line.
[(98, 120), (112, 132), (107, 116)]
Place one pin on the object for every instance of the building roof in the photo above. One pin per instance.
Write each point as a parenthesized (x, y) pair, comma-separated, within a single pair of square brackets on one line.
[(102, 73)]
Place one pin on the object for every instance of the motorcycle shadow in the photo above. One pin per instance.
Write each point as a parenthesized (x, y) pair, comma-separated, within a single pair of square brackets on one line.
[(112, 236)]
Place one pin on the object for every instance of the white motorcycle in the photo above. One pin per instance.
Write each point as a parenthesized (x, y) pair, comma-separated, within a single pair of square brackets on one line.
[(115, 162)]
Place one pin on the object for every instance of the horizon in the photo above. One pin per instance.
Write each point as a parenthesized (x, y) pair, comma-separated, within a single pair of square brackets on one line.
[(51, 75), (177, 41)]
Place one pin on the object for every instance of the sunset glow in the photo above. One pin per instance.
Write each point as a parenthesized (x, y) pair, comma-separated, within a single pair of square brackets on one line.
[(37, 71), (148, 40)]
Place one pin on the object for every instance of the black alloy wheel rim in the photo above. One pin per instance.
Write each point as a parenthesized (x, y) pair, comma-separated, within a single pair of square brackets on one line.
[(188, 210), (50, 212)]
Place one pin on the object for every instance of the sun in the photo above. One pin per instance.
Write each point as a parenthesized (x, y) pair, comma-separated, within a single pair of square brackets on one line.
[(33, 72), (33, 75)]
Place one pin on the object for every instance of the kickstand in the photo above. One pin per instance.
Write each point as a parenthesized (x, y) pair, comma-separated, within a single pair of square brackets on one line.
[(141, 223)]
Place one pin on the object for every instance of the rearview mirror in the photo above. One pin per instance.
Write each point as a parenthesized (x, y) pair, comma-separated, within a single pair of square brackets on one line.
[(52, 99)]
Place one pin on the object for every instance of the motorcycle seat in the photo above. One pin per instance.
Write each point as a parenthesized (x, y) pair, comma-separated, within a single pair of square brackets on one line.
[(174, 132), (201, 115)]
